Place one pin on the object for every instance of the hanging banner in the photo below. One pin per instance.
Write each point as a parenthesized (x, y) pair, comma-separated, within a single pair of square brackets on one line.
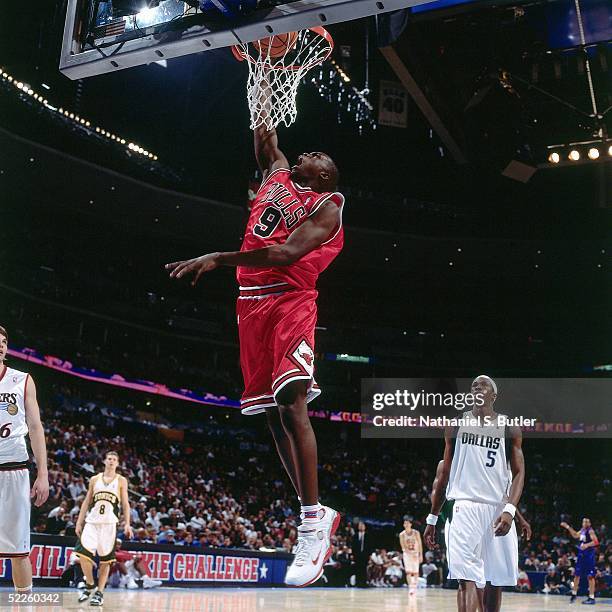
[(392, 105)]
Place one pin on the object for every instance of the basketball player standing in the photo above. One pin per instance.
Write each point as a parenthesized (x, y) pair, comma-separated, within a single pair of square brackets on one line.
[(475, 470), (412, 552), (19, 416), (97, 526), (293, 233), (585, 562), (503, 547)]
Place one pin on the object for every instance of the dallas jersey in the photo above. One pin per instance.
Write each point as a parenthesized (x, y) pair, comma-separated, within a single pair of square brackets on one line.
[(479, 471), (279, 208), (13, 426), (105, 503)]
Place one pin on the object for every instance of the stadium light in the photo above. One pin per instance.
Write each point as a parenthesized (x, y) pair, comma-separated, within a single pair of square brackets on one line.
[(574, 155), (593, 153)]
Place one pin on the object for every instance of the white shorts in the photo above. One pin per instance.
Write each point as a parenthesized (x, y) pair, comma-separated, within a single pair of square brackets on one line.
[(411, 563), (15, 512), (473, 550), (100, 539)]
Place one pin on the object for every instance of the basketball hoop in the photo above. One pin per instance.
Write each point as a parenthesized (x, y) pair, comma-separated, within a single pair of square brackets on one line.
[(274, 77)]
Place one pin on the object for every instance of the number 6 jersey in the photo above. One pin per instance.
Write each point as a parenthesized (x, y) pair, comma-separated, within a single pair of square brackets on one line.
[(479, 471), (279, 208), (13, 426)]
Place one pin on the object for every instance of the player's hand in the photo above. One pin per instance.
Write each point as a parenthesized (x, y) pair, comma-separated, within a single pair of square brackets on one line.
[(197, 266), (128, 532), (429, 536), (503, 523), (78, 529), (40, 490), (525, 529), (564, 525), (583, 546)]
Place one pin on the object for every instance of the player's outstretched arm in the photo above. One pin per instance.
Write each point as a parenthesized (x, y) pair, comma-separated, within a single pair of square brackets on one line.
[(571, 530), (517, 465), (40, 489), (307, 237)]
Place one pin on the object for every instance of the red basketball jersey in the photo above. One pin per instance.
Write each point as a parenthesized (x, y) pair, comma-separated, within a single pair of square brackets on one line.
[(279, 208)]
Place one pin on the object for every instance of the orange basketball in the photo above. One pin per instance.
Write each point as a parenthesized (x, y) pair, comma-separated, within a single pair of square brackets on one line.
[(276, 46)]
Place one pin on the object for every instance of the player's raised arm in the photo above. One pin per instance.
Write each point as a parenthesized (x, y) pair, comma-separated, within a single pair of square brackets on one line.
[(570, 529), (40, 489), (517, 465), (269, 156), (307, 237)]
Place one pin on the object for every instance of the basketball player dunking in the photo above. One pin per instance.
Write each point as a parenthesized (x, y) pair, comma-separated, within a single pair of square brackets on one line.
[(412, 552), (19, 416), (475, 468), (293, 233), (585, 562), (97, 526)]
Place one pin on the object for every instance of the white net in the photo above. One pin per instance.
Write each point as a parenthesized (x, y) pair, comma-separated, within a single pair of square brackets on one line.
[(274, 79)]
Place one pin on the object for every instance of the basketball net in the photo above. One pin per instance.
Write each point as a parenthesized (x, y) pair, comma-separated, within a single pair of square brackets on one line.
[(273, 81)]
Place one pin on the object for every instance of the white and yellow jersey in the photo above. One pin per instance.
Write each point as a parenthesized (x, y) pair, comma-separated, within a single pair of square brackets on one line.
[(105, 501), (13, 426)]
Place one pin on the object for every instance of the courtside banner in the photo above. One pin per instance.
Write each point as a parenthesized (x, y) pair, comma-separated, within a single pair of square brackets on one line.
[(174, 565), (539, 407)]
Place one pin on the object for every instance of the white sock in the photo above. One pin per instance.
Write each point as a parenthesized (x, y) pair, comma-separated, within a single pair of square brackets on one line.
[(27, 589), (311, 513)]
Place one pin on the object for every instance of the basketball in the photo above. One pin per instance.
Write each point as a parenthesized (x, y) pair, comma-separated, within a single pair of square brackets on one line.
[(277, 46)]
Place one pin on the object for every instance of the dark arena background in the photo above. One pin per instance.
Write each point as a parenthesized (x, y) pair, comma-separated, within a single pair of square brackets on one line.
[(473, 142)]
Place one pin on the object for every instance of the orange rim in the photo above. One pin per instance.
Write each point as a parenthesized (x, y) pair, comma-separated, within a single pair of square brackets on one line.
[(240, 54)]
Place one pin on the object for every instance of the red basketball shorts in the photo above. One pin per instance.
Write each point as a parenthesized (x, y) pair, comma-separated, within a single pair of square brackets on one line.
[(276, 345)]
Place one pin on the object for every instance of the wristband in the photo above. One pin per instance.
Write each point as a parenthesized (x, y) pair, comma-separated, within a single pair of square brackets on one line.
[(431, 519), (510, 509)]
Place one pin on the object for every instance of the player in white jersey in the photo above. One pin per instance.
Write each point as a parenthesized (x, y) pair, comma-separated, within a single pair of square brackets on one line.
[(97, 526), (19, 416), (412, 553), (504, 550), (475, 476)]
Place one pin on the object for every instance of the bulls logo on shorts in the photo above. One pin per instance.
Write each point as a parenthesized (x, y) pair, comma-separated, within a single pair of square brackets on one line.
[(304, 355)]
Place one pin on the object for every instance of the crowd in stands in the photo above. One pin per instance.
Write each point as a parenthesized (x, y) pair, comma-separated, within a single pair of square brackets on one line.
[(225, 488)]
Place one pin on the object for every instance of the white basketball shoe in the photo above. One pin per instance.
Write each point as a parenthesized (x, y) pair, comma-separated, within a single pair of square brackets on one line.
[(313, 548)]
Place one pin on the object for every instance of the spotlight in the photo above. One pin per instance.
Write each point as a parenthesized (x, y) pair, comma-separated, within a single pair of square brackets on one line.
[(155, 157), (610, 150), (554, 158), (593, 153), (574, 155)]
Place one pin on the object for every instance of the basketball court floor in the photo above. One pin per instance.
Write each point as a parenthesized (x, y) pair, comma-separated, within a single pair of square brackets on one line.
[(306, 600)]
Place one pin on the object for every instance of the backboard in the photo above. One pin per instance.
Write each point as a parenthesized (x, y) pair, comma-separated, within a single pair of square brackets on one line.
[(100, 38)]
